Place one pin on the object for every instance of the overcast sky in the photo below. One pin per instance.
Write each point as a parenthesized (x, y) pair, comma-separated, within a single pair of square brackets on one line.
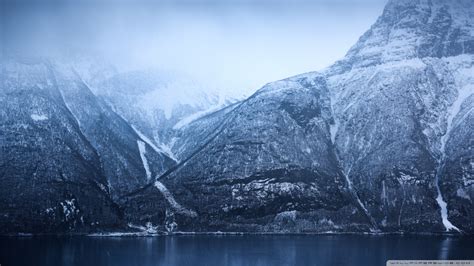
[(236, 45)]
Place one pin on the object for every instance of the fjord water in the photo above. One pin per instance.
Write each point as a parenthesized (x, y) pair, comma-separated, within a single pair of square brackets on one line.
[(231, 249)]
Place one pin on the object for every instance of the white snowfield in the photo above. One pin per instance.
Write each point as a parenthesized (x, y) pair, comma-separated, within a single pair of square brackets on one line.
[(39, 117), (142, 150), (444, 212)]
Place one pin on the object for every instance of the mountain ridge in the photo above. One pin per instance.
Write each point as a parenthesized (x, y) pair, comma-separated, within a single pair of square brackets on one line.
[(381, 141)]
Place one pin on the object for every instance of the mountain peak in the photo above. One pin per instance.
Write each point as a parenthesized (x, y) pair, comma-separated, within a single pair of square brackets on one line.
[(415, 29)]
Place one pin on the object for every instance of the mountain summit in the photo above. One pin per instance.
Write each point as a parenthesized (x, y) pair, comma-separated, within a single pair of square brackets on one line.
[(416, 29)]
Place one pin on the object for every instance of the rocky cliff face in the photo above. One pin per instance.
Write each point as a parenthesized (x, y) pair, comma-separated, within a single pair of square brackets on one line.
[(398, 98), (380, 141), (260, 160), (66, 158), (414, 29), (51, 177), (391, 129)]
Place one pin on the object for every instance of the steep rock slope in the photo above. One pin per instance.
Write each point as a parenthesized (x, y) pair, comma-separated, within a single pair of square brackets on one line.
[(50, 174), (270, 155), (414, 29), (389, 130), (191, 136), (395, 97), (67, 155), (123, 150)]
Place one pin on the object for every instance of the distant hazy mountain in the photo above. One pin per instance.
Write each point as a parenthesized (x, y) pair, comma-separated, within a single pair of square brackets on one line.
[(159, 104)]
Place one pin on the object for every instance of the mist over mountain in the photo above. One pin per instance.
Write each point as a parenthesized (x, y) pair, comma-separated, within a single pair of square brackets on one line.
[(233, 46), (379, 141)]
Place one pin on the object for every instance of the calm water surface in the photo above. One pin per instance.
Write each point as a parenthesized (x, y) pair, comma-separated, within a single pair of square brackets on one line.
[(231, 250)]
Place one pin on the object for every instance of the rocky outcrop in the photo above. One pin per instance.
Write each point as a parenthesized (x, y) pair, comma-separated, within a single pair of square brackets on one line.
[(414, 29)]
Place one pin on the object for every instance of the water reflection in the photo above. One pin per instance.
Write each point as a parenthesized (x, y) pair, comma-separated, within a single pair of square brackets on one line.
[(445, 246), (231, 250)]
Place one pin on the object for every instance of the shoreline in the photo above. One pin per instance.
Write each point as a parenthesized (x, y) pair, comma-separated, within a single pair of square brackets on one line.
[(218, 233)]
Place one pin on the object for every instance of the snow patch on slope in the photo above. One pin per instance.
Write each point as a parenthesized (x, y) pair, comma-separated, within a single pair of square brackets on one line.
[(333, 128), (142, 149), (171, 200), (37, 117), (444, 212), (70, 110), (69, 209), (165, 149), (464, 93), (147, 229), (187, 120)]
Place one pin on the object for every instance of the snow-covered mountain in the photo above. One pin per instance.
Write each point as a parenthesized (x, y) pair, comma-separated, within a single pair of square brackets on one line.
[(159, 104), (414, 29), (402, 101), (67, 158), (381, 141)]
